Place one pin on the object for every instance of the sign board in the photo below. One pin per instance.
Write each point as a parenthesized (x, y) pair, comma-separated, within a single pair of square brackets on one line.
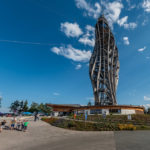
[(129, 117), (104, 115), (86, 114)]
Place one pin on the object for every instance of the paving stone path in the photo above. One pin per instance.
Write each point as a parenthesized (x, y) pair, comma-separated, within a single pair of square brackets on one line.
[(42, 136)]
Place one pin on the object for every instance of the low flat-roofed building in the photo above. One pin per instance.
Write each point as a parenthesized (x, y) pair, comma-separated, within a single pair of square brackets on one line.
[(63, 109), (60, 110)]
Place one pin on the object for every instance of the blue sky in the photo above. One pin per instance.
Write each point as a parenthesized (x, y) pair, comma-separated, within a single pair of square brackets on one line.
[(45, 47)]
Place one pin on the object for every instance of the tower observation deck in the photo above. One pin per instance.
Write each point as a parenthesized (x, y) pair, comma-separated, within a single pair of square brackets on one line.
[(104, 65)]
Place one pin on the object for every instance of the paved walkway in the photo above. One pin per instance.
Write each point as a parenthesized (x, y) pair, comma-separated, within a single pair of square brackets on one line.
[(132, 140), (42, 136)]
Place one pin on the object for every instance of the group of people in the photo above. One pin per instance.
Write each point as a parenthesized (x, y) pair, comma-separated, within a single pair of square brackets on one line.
[(20, 125)]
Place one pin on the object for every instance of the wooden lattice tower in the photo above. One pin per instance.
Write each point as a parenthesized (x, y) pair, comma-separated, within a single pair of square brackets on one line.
[(104, 65)]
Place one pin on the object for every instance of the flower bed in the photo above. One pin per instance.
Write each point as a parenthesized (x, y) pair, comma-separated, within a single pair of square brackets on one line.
[(111, 123), (126, 127), (88, 126)]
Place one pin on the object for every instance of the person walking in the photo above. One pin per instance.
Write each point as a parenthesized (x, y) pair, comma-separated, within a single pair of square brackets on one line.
[(35, 116)]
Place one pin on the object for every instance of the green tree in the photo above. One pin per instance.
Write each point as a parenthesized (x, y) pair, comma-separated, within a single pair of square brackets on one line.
[(89, 104), (44, 108), (15, 106), (34, 107), (47, 109), (41, 107), (19, 106), (25, 106)]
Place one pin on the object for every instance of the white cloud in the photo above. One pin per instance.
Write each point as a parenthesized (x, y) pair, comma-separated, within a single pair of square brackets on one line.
[(56, 50), (72, 53), (78, 66), (71, 29), (145, 22), (141, 49), (112, 11), (131, 25), (146, 98), (93, 11), (126, 40), (90, 28), (130, 6), (147, 106), (88, 37), (146, 5), (122, 21), (56, 94), (86, 41)]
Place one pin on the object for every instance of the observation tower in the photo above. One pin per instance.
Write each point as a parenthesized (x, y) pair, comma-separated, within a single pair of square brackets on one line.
[(104, 65)]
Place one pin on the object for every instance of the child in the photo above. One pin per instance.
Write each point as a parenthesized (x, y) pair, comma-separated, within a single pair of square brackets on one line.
[(18, 125), (13, 121), (25, 125)]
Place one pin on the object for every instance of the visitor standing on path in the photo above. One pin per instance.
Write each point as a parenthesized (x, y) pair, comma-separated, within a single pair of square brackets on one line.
[(25, 125), (35, 116), (13, 121), (18, 124)]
